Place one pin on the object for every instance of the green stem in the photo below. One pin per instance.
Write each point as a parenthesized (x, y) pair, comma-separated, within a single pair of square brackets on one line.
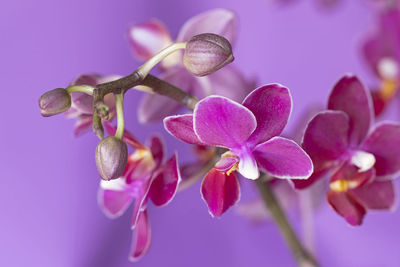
[(302, 256), (87, 89), (119, 102), (149, 64)]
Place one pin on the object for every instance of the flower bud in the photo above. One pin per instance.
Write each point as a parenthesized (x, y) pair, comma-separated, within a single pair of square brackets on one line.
[(206, 53), (54, 102), (111, 157)]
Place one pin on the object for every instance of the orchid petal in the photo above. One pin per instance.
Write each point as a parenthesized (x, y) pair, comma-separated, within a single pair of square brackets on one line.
[(385, 42), (142, 187), (325, 138), (218, 21), (140, 165), (379, 102), (315, 176), (350, 96), (165, 182), (219, 121), (82, 125), (181, 126), (226, 162), (283, 158), (377, 195), (384, 143), (231, 83), (153, 107), (114, 197), (141, 238), (247, 164), (220, 191), (347, 207), (82, 102), (373, 50), (147, 39), (157, 149), (127, 137), (271, 105)]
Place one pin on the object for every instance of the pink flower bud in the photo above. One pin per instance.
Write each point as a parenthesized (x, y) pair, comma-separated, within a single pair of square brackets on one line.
[(206, 53), (111, 157), (54, 102)]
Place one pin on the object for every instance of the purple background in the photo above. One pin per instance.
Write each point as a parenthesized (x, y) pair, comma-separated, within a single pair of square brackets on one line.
[(49, 180)]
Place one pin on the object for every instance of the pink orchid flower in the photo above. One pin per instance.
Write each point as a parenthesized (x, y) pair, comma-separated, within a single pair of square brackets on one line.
[(145, 177), (148, 38), (305, 202), (361, 161), (250, 131), (381, 50), (82, 104)]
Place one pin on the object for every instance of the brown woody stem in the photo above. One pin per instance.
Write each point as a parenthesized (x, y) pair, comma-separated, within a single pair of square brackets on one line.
[(123, 84)]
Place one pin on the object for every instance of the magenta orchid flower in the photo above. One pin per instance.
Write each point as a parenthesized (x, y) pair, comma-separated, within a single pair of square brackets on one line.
[(361, 162), (290, 199), (250, 131), (145, 177), (148, 38), (382, 52), (82, 104)]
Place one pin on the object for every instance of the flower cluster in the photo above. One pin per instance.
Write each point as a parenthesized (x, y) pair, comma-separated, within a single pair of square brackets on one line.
[(235, 131)]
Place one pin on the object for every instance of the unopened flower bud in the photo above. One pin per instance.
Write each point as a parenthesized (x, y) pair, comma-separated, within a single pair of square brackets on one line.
[(206, 53), (111, 157), (54, 102)]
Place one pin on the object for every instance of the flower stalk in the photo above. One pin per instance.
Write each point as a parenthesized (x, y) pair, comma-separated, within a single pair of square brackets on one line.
[(302, 256), (119, 101)]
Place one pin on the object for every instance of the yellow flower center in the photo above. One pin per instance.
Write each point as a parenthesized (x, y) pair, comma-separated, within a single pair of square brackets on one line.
[(343, 185), (388, 89)]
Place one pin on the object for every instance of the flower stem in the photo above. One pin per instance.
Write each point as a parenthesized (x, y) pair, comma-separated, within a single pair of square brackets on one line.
[(119, 102), (163, 88), (150, 82), (81, 88), (149, 64), (302, 256)]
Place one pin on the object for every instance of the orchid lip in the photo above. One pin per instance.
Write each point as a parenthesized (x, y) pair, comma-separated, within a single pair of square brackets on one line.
[(388, 68), (363, 160)]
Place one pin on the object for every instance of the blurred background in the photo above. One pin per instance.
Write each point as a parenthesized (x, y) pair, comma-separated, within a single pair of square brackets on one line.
[(49, 180)]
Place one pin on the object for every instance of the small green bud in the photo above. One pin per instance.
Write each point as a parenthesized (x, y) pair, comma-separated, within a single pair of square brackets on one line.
[(54, 102), (206, 53), (111, 157)]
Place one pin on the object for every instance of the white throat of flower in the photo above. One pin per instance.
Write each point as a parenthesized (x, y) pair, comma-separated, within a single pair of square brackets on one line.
[(363, 160), (388, 68)]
